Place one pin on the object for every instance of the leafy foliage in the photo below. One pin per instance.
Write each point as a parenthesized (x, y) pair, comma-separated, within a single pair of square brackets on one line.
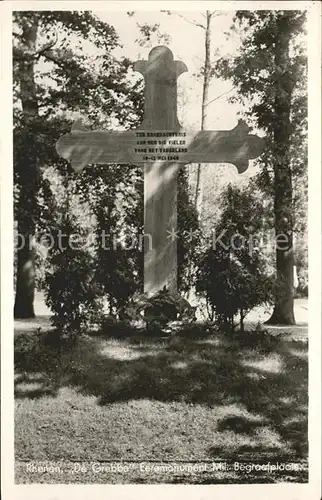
[(117, 205), (232, 271), (72, 293), (189, 235), (260, 78), (147, 31)]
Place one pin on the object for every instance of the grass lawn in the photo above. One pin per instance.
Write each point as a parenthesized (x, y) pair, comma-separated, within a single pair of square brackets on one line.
[(137, 400)]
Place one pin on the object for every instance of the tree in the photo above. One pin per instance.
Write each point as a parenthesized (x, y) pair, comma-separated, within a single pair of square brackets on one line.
[(25, 282), (207, 74), (269, 73), (55, 73)]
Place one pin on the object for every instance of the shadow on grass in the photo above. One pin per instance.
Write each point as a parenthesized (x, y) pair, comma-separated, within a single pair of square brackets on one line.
[(214, 371)]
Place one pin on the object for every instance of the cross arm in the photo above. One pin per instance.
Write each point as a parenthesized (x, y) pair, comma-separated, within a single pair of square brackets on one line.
[(234, 146), (83, 147)]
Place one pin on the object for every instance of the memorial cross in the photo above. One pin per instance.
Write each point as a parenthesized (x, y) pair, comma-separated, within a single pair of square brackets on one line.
[(162, 146)]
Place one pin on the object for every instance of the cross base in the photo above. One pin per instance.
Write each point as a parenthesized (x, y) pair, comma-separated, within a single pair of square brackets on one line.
[(160, 309)]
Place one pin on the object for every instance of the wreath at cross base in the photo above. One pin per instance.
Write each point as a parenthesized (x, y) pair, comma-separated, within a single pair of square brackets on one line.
[(160, 309)]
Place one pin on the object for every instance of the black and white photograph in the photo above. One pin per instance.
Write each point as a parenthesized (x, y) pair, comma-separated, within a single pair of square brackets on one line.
[(159, 286)]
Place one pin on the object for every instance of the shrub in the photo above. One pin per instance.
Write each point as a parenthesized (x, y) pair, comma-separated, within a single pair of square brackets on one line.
[(232, 286), (116, 329), (232, 274), (259, 339), (71, 291)]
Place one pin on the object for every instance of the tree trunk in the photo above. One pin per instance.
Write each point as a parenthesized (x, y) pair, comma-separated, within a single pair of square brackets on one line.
[(284, 305), (205, 93), (28, 174), (25, 284), (241, 322)]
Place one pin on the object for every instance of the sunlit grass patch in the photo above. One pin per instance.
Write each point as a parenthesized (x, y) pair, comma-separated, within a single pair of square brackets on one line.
[(269, 438), (299, 353), (272, 363), (179, 365), (237, 410), (210, 342), (121, 353)]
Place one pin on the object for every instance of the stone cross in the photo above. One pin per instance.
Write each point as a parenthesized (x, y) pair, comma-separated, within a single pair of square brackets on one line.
[(162, 146)]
